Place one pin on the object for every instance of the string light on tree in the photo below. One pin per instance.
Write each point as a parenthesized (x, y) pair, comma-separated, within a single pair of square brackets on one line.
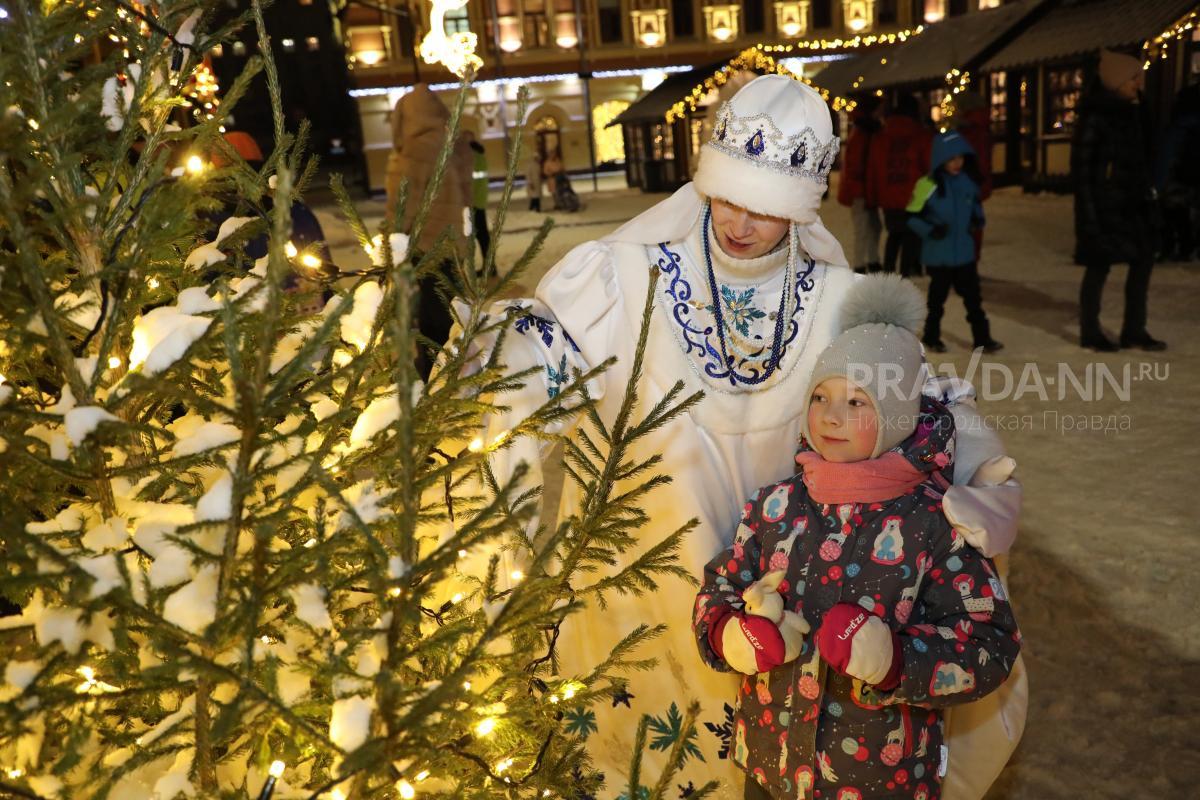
[(201, 91), (456, 51)]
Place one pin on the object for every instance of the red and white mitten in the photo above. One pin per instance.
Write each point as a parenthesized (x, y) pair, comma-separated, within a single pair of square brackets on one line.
[(748, 643), (762, 599), (861, 645)]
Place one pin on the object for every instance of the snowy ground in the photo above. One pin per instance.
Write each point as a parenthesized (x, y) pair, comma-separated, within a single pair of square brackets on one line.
[(1103, 574)]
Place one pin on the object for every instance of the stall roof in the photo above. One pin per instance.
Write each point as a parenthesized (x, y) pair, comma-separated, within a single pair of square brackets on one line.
[(838, 77), (653, 106), (955, 43), (1085, 26)]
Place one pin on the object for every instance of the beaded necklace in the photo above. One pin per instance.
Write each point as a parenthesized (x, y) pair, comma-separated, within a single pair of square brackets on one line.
[(782, 316)]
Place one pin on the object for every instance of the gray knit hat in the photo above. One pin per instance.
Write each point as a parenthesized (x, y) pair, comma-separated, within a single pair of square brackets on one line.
[(879, 352)]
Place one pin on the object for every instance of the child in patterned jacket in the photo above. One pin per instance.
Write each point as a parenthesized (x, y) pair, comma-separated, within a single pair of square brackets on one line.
[(852, 606)]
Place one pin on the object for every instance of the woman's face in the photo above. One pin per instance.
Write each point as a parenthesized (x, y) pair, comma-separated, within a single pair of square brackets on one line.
[(744, 234)]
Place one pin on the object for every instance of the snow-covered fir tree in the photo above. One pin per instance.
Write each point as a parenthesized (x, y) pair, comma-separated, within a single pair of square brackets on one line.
[(249, 553)]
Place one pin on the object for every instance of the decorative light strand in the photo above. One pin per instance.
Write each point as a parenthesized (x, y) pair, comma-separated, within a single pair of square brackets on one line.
[(1159, 46), (755, 59)]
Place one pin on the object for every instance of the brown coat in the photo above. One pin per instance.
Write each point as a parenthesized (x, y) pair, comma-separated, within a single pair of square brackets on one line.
[(419, 123)]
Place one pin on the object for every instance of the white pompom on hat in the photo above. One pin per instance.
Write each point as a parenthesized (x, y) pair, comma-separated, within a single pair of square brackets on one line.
[(879, 352)]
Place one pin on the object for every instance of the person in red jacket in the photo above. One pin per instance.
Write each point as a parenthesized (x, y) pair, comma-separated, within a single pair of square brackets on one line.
[(852, 188), (898, 157)]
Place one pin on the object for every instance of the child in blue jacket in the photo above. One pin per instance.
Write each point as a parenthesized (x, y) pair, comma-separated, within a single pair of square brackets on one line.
[(945, 211)]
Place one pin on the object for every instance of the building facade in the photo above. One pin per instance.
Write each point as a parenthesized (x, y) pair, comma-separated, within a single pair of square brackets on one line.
[(584, 61)]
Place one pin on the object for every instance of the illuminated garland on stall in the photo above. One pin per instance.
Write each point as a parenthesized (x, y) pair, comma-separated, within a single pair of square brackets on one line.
[(759, 58), (1158, 47), (753, 59), (957, 82)]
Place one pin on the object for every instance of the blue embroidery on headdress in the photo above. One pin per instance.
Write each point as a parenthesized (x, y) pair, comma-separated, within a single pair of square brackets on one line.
[(800, 155), (756, 144)]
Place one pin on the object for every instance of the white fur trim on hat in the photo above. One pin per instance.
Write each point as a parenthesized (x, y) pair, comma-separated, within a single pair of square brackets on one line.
[(757, 188)]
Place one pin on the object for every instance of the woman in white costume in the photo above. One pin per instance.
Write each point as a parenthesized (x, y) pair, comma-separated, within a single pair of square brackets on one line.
[(747, 298)]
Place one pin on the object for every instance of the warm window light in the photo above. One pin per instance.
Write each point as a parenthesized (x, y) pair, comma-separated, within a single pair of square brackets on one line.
[(405, 789), (722, 33), (369, 57), (651, 38), (791, 28), (857, 24), (277, 768), (195, 165), (566, 42), (485, 726)]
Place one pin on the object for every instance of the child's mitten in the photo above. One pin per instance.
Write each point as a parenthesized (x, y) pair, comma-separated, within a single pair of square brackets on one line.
[(762, 599), (861, 645), (748, 643)]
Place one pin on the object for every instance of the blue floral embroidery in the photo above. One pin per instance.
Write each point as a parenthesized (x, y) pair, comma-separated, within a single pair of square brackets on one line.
[(557, 378), (702, 340), (666, 731), (581, 722), (527, 319), (724, 731), (741, 308)]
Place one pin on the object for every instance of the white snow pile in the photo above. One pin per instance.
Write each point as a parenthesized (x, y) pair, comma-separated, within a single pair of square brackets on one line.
[(356, 325), (310, 605), (82, 421), (193, 606), (399, 243), (161, 336), (350, 722)]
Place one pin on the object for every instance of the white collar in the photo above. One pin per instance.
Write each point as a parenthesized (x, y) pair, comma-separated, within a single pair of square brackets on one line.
[(740, 271)]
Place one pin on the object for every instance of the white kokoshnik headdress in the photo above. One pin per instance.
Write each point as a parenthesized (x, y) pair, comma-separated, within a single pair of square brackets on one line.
[(771, 152), (758, 141)]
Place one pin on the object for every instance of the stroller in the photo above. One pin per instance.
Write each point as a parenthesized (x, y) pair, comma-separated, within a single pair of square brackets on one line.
[(565, 198)]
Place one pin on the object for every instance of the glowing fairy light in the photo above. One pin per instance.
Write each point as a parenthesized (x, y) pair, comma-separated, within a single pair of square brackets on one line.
[(485, 726)]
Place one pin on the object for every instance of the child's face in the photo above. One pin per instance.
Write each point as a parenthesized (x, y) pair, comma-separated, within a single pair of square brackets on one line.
[(953, 166), (842, 421)]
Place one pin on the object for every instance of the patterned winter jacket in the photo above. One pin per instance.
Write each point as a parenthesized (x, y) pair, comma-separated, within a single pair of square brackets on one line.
[(804, 731)]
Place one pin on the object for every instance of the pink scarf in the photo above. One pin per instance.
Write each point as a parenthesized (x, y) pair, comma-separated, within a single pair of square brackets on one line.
[(871, 481)]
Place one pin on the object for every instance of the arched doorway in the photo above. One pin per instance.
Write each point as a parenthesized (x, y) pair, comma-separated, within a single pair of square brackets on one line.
[(546, 130)]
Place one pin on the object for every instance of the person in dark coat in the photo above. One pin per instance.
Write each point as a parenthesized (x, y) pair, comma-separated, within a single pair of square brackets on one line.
[(849, 651), (1115, 217), (898, 157), (1177, 177), (852, 185)]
